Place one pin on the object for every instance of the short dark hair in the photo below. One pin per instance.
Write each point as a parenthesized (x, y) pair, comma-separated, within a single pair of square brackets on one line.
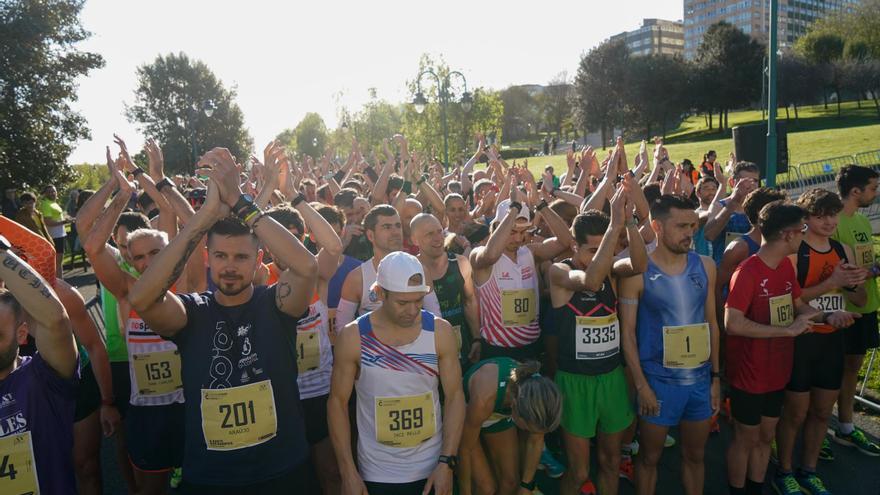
[(230, 226), (449, 197), (345, 197), (854, 176), (706, 180), (394, 182), (662, 206), (757, 199), (375, 212), (744, 166), (132, 220), (7, 298), (287, 217), (144, 200), (27, 196), (818, 202), (651, 192), (564, 209), (777, 216), (332, 214), (591, 222)]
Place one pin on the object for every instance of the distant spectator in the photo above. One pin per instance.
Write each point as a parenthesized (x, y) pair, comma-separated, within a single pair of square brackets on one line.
[(29, 216), (72, 199), (556, 182), (553, 143), (707, 168), (55, 220), (10, 203), (546, 145), (688, 166)]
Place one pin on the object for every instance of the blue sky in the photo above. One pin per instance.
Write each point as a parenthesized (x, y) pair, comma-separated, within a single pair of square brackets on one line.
[(290, 58)]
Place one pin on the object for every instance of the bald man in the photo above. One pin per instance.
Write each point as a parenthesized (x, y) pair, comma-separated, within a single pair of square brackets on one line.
[(408, 210), (452, 286)]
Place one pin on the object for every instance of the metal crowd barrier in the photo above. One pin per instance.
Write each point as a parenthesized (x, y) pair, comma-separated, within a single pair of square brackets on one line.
[(822, 173)]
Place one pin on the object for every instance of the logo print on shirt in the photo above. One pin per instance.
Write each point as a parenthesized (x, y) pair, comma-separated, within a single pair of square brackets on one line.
[(765, 292), (221, 367), (6, 400), (696, 280), (655, 276)]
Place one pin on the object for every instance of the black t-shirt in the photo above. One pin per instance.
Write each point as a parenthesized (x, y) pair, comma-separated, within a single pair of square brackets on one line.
[(240, 349)]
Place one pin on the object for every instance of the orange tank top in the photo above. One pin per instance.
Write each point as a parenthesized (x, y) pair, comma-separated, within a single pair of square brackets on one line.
[(813, 267)]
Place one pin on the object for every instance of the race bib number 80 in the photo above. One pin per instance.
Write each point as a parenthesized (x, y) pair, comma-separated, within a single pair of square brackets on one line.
[(405, 421), (518, 307), (18, 472)]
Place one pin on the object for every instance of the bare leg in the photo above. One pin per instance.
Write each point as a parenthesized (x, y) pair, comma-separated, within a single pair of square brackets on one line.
[(846, 397), (793, 415), (821, 405), (693, 445), (87, 454), (609, 461), (651, 437), (577, 451), (326, 467), (760, 454), (745, 438), (503, 451)]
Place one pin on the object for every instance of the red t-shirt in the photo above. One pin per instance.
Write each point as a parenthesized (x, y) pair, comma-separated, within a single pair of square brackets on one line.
[(755, 365)]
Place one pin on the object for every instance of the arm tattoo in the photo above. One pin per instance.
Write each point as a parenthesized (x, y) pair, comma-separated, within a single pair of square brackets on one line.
[(281, 292), (181, 263)]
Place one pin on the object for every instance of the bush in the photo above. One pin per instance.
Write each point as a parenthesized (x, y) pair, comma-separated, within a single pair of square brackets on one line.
[(511, 153)]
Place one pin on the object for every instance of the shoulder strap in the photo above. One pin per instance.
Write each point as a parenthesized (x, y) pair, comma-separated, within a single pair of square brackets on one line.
[(364, 325), (427, 321), (839, 249)]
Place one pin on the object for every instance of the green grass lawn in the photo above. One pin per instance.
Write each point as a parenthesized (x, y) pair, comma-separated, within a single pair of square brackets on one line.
[(818, 134)]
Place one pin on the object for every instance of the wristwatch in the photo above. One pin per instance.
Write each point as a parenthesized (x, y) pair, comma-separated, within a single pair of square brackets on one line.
[(162, 183), (449, 460), (244, 201), (528, 486), (299, 198), (517, 205)]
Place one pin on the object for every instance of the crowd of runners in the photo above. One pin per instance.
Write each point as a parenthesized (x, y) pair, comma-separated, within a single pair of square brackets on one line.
[(381, 324)]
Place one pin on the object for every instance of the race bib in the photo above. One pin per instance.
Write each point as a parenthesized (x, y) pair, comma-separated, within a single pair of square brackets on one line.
[(308, 350), (405, 422), (331, 322), (238, 417), (829, 303), (731, 237), (457, 330), (864, 254), (596, 337), (518, 307), (157, 373), (18, 472), (781, 311), (685, 346)]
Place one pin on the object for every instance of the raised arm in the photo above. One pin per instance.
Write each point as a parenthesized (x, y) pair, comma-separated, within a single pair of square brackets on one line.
[(92, 208), (552, 248), (325, 237), (48, 323)]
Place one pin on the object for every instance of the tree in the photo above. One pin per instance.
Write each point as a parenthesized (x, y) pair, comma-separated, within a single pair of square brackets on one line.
[(862, 77), (309, 137), (520, 112), (598, 86), (425, 131), (173, 100), (39, 66), (799, 82), (858, 22), (555, 102), (653, 93), (734, 61)]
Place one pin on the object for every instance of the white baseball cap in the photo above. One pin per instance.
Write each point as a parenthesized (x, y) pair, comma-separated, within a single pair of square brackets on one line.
[(396, 269), (501, 212)]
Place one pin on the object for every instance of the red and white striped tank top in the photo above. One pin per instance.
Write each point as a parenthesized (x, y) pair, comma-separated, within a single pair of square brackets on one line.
[(509, 302)]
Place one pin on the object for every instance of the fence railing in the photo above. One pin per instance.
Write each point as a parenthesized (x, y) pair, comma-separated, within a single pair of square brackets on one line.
[(822, 173)]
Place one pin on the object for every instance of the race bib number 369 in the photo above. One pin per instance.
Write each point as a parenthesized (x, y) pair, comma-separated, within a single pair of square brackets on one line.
[(238, 417), (405, 421), (18, 472)]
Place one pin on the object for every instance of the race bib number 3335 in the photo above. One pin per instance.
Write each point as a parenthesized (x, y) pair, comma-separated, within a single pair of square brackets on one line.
[(238, 417), (18, 472), (597, 337), (405, 421)]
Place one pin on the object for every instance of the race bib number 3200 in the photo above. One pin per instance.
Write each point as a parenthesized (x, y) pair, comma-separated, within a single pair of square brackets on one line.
[(18, 472), (405, 421), (238, 417)]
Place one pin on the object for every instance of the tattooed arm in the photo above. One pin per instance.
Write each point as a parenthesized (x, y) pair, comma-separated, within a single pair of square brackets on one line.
[(150, 295), (46, 318), (296, 284)]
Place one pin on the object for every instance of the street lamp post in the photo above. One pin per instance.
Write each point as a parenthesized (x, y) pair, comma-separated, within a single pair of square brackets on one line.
[(444, 95), (207, 107)]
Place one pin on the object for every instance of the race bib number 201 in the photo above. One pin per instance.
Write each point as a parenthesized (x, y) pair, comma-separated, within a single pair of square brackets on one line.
[(238, 417), (18, 472)]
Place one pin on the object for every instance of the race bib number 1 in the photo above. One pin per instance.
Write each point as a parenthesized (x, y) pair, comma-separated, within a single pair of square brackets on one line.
[(597, 337), (238, 417), (406, 421), (18, 472), (781, 311), (685, 346), (308, 350), (157, 373), (518, 307)]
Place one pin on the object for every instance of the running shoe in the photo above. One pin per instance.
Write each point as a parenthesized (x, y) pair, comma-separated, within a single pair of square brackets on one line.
[(627, 469), (825, 453), (549, 464), (858, 440), (588, 488), (786, 484), (669, 442), (810, 483), (176, 477), (631, 449), (774, 454)]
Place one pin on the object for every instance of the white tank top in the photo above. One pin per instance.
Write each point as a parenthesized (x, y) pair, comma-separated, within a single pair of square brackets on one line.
[(398, 406), (314, 355), (153, 365), (509, 302), (369, 298)]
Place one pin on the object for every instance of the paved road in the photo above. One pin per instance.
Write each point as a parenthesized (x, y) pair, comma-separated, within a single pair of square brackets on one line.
[(850, 474)]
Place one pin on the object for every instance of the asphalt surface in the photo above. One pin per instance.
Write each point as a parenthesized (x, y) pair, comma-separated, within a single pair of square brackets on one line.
[(851, 473)]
